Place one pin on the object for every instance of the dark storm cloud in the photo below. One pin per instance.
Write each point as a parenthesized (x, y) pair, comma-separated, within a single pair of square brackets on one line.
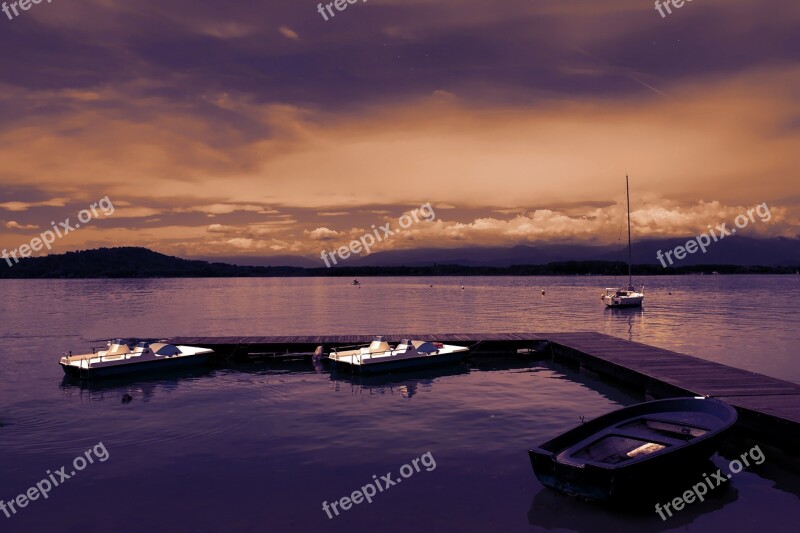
[(383, 51)]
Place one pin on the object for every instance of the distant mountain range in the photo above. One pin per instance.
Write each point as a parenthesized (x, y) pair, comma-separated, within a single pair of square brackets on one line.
[(748, 256), (739, 251)]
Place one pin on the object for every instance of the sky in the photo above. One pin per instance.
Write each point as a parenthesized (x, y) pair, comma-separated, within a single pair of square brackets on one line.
[(260, 128)]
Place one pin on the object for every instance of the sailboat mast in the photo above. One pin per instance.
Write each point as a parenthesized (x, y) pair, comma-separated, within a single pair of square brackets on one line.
[(628, 195)]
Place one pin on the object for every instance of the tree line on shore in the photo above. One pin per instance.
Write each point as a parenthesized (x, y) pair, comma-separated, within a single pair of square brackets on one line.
[(130, 262)]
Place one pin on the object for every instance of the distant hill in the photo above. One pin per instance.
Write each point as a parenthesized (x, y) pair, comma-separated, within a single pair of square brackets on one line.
[(478, 256), (740, 251), (132, 262), (129, 262)]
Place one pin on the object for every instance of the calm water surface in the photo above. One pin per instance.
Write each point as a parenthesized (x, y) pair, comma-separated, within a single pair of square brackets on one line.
[(261, 446)]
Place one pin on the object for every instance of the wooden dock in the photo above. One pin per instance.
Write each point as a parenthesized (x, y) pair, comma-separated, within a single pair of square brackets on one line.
[(479, 342), (767, 406)]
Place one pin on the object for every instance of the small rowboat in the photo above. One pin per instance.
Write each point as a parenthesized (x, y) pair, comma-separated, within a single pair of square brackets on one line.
[(619, 455)]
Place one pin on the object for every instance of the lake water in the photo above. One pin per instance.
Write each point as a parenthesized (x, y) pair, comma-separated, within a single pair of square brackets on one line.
[(261, 446)]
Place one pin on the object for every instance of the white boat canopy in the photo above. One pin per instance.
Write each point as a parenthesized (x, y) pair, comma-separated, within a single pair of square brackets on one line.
[(164, 349)]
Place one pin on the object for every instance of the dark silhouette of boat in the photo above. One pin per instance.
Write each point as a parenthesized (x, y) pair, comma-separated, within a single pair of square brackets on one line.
[(619, 455)]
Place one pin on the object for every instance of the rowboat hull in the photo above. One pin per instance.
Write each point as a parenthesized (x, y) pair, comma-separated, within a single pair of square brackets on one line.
[(569, 463), (623, 302)]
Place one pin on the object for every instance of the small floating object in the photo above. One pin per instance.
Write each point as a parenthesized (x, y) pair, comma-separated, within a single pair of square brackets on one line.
[(356, 282), (619, 455), (125, 357), (462, 287), (127, 398), (542, 292)]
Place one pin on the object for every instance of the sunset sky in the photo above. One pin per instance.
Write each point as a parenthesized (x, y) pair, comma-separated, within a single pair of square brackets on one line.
[(258, 128)]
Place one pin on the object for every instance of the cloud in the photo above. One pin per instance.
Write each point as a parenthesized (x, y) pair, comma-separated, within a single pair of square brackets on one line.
[(256, 230), (289, 33), (24, 206), (223, 208), (322, 234), (596, 226), (240, 243), (219, 228), (136, 212), (11, 224)]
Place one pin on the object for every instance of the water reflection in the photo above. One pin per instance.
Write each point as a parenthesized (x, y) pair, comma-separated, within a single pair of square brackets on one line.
[(608, 389), (780, 468), (552, 510), (138, 387), (405, 384), (633, 317)]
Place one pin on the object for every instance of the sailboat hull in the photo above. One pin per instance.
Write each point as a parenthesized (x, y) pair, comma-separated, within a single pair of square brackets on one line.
[(627, 301)]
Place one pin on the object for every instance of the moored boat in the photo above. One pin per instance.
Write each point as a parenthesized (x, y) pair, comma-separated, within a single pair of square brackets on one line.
[(125, 357), (378, 345), (620, 455), (625, 296), (379, 356)]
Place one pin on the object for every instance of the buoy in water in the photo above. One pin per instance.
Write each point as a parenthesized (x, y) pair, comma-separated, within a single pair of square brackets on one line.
[(542, 292)]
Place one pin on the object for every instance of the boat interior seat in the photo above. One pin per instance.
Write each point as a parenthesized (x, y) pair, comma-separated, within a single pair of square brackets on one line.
[(692, 424), (637, 436), (377, 346), (619, 443), (116, 349)]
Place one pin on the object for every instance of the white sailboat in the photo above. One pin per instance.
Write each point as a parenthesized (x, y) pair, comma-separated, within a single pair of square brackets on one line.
[(625, 296)]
